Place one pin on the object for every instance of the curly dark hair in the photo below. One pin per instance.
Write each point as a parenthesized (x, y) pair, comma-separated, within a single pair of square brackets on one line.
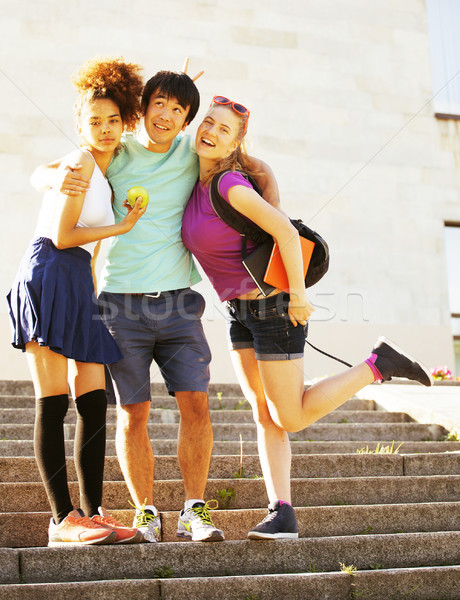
[(112, 78)]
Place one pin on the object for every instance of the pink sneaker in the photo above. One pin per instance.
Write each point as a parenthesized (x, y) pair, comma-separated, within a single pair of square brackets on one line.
[(125, 535), (76, 530)]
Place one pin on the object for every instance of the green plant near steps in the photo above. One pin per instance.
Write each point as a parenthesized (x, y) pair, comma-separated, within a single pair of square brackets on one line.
[(339, 502), (241, 405), (351, 569), (376, 567), (365, 531), (380, 449), (452, 436), (239, 474), (227, 497), (406, 594), (163, 572), (221, 402)]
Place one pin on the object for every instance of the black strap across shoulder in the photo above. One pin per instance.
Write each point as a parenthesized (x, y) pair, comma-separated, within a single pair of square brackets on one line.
[(319, 263), (232, 217)]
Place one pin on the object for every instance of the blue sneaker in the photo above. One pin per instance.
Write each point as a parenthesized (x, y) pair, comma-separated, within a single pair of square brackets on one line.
[(391, 361), (280, 523)]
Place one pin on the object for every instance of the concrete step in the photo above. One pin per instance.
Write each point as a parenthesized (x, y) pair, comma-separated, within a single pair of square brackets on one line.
[(428, 583), (395, 514), (228, 432), (250, 493), (10, 387), (11, 448), (26, 416), (15, 469), (434, 583), (324, 521), (168, 402), (230, 558), (21, 530)]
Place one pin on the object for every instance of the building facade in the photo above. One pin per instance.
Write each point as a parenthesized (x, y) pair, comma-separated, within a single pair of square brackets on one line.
[(343, 103)]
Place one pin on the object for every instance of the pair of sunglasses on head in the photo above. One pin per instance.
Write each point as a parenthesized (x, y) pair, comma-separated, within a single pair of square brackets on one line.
[(238, 108)]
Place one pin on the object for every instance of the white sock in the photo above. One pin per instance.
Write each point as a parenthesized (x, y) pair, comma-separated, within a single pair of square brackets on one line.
[(189, 503)]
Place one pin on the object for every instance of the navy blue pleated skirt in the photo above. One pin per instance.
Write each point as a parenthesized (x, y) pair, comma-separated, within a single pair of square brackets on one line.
[(52, 302)]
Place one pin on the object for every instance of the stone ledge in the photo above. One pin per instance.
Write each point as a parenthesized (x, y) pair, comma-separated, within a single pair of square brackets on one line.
[(251, 493), (427, 582), (439, 404), (21, 530), (9, 560), (191, 559)]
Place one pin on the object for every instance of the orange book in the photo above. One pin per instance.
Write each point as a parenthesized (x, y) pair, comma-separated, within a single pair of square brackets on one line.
[(275, 273)]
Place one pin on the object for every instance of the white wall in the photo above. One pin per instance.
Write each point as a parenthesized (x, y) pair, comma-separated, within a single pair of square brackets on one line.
[(339, 93)]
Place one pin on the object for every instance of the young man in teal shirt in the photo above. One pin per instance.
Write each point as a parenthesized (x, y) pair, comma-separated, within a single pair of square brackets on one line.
[(149, 308), (152, 313)]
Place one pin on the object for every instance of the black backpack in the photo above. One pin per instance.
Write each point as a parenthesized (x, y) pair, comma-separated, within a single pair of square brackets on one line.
[(319, 263)]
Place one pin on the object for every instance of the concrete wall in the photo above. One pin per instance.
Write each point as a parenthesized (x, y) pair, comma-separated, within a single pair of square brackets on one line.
[(339, 93)]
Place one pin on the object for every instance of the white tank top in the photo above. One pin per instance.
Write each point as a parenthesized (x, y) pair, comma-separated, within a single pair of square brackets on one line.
[(96, 210)]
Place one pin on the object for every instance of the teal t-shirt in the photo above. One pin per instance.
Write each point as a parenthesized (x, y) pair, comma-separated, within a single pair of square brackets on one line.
[(151, 257)]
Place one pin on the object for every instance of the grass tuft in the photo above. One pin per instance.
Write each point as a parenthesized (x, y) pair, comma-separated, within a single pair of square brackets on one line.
[(380, 449)]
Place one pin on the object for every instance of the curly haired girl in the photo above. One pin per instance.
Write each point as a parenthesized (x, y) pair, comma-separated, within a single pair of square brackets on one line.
[(53, 309)]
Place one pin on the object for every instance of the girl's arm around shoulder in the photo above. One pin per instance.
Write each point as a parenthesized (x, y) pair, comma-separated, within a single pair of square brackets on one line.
[(69, 180), (79, 157), (43, 177)]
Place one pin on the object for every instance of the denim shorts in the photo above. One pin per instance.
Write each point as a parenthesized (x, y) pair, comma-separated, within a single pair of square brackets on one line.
[(166, 329), (265, 326)]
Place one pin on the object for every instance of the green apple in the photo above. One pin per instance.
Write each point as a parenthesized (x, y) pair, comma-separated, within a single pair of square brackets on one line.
[(135, 192)]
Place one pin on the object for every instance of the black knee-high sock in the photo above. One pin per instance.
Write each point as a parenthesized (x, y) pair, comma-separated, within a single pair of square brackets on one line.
[(89, 451), (50, 452)]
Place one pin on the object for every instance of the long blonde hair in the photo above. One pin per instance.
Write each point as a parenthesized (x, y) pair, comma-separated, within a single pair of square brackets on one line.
[(238, 160)]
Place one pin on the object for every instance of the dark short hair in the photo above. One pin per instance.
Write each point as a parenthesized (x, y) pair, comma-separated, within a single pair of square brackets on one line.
[(175, 85)]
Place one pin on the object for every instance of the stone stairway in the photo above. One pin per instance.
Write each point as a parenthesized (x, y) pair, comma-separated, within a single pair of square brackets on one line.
[(371, 525)]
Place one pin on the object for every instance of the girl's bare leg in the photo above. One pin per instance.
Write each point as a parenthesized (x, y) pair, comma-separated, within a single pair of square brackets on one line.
[(273, 442), (48, 370), (291, 407)]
